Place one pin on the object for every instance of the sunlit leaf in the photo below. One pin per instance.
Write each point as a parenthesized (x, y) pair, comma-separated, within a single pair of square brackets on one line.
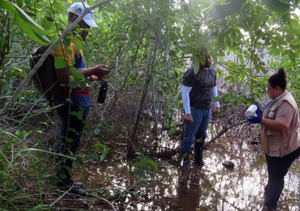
[(223, 10), (60, 63)]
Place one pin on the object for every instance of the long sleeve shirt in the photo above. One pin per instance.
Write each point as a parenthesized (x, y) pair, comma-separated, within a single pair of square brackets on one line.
[(185, 90)]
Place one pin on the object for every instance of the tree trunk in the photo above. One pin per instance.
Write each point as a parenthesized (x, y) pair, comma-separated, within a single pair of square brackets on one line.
[(150, 67)]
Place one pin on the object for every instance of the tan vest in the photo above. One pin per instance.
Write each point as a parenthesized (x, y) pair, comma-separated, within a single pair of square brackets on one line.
[(280, 143)]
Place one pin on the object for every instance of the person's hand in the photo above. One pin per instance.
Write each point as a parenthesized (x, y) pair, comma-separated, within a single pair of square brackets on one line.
[(254, 119), (188, 118), (94, 78), (258, 111), (100, 71)]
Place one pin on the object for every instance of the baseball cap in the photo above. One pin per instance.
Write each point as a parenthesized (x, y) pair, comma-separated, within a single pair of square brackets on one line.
[(77, 8)]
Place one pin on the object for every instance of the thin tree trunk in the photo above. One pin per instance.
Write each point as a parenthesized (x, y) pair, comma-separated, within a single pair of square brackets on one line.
[(151, 65), (162, 104), (154, 108)]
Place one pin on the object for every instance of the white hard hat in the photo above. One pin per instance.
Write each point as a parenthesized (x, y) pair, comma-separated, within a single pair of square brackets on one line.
[(77, 8)]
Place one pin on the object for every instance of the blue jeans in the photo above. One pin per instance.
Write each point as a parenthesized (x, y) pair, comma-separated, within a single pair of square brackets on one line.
[(277, 168), (197, 129), (70, 130)]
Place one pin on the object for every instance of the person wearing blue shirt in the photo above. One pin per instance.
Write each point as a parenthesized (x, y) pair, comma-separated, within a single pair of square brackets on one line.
[(74, 102)]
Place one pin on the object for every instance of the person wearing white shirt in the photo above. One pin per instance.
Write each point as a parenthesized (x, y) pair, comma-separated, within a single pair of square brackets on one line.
[(198, 90)]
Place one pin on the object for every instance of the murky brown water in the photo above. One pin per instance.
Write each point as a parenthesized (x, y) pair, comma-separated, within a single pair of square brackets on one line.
[(211, 188)]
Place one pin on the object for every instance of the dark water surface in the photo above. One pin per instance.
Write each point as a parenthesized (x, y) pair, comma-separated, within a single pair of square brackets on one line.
[(213, 187)]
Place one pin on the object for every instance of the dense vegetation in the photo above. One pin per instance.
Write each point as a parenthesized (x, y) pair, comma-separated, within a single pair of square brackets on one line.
[(148, 45)]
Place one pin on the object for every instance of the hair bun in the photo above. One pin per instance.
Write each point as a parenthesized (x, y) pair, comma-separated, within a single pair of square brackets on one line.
[(281, 72)]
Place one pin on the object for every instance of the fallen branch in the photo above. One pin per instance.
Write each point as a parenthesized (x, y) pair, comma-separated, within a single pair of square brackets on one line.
[(224, 131), (105, 200)]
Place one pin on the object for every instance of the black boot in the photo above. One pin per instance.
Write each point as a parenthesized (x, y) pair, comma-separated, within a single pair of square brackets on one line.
[(186, 161), (198, 152)]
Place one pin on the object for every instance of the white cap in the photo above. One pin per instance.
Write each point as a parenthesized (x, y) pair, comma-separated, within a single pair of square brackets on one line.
[(77, 8)]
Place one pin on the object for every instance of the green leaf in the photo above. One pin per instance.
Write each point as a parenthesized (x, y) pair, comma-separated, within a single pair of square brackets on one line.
[(8, 6), (60, 63), (223, 10), (151, 162), (28, 20), (59, 6), (196, 62), (277, 5), (76, 74), (77, 114), (25, 23), (101, 148), (104, 153), (78, 43)]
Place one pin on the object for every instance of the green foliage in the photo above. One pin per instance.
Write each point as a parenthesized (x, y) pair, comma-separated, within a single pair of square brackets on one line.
[(101, 148), (223, 10), (60, 63), (25, 22), (277, 5), (143, 168), (13, 176)]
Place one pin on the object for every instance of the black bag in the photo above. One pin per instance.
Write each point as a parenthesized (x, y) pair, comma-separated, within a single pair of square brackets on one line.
[(45, 79)]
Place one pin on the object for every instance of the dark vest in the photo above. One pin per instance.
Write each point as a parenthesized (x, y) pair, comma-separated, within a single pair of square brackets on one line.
[(202, 84)]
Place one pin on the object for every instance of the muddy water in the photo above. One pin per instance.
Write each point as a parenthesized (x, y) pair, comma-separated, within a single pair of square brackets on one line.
[(213, 187)]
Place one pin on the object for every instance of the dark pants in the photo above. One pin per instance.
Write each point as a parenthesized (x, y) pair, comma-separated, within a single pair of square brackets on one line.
[(277, 168), (71, 126)]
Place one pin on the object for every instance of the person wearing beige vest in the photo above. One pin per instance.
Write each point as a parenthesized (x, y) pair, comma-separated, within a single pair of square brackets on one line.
[(280, 136)]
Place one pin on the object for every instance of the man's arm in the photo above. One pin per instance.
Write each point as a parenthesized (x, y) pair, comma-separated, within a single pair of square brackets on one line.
[(63, 74), (99, 71), (215, 94), (217, 104), (185, 90)]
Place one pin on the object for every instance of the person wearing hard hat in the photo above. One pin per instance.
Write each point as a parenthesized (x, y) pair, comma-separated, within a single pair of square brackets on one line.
[(73, 100)]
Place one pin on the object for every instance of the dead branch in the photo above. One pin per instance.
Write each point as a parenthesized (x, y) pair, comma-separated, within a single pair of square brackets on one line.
[(224, 131)]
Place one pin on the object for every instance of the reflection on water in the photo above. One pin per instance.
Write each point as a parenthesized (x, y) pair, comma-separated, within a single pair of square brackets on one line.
[(211, 188)]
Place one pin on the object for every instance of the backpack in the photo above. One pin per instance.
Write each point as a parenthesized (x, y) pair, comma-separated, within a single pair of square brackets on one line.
[(45, 79)]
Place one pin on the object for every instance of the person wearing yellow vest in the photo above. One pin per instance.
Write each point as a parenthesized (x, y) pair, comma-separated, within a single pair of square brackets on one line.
[(75, 101), (280, 136)]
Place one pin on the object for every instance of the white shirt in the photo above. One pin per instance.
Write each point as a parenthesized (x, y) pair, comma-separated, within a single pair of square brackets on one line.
[(185, 90)]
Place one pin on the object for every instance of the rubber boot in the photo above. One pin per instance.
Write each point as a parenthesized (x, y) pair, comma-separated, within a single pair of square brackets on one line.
[(186, 162), (266, 209), (198, 152)]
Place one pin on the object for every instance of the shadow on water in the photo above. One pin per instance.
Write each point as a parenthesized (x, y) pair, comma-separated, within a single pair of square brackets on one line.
[(213, 187)]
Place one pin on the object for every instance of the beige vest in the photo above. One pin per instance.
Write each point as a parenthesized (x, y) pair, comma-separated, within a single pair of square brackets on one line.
[(280, 143)]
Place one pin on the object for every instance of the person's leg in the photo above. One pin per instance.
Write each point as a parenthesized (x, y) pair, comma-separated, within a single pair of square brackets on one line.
[(76, 125), (189, 133), (200, 138), (277, 169), (60, 148), (71, 129)]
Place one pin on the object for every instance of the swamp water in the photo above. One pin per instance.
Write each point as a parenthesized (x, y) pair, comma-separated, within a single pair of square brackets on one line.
[(212, 188)]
